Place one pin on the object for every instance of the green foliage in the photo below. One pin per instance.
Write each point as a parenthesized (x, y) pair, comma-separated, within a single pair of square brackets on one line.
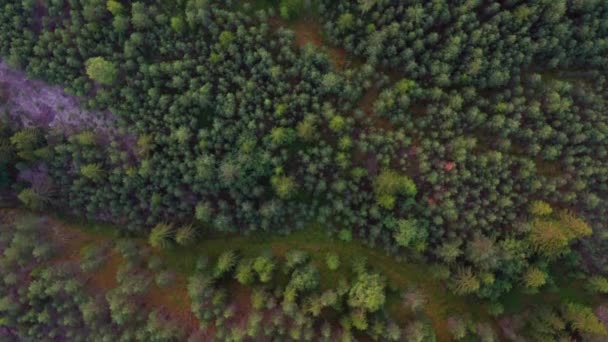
[(139, 16), (465, 282), (264, 267), (185, 235), (333, 261), (290, 9), (203, 211), (281, 136), (225, 263), (598, 284), (26, 142), (337, 123), (583, 319), (304, 279), (101, 70), (242, 130), (346, 21), (389, 184), (284, 186), (295, 258), (178, 24), (540, 208), (534, 278), (306, 129), (226, 37), (345, 235), (419, 331), (115, 7), (552, 236), (458, 327), (195, 12), (92, 171), (409, 234), (161, 236), (86, 138), (244, 272), (33, 199), (367, 292)]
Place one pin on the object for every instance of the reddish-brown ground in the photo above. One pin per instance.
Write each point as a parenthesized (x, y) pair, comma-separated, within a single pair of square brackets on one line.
[(105, 277), (309, 31), (175, 300), (367, 106), (70, 241)]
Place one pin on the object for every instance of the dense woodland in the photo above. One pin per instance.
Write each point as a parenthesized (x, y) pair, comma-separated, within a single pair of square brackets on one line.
[(468, 136)]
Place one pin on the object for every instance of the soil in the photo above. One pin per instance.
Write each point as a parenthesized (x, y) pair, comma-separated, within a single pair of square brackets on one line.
[(175, 300)]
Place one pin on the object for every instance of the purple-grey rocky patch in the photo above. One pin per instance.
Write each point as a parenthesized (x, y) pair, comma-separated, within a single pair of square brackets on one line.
[(33, 103)]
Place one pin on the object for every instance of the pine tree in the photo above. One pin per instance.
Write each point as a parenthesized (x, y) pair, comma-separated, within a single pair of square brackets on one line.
[(160, 236), (465, 282)]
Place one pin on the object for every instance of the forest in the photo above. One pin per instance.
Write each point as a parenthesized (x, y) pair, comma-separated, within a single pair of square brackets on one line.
[(303, 170)]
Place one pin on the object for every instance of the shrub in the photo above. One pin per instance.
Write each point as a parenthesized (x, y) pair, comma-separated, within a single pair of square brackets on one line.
[(333, 261), (345, 235)]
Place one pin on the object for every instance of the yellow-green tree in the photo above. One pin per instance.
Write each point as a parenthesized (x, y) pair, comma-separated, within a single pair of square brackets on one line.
[(465, 282), (160, 236), (389, 184), (534, 278), (552, 235), (101, 70), (582, 319)]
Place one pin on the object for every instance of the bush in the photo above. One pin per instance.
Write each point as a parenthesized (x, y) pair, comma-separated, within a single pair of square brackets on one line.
[(345, 235), (333, 261)]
